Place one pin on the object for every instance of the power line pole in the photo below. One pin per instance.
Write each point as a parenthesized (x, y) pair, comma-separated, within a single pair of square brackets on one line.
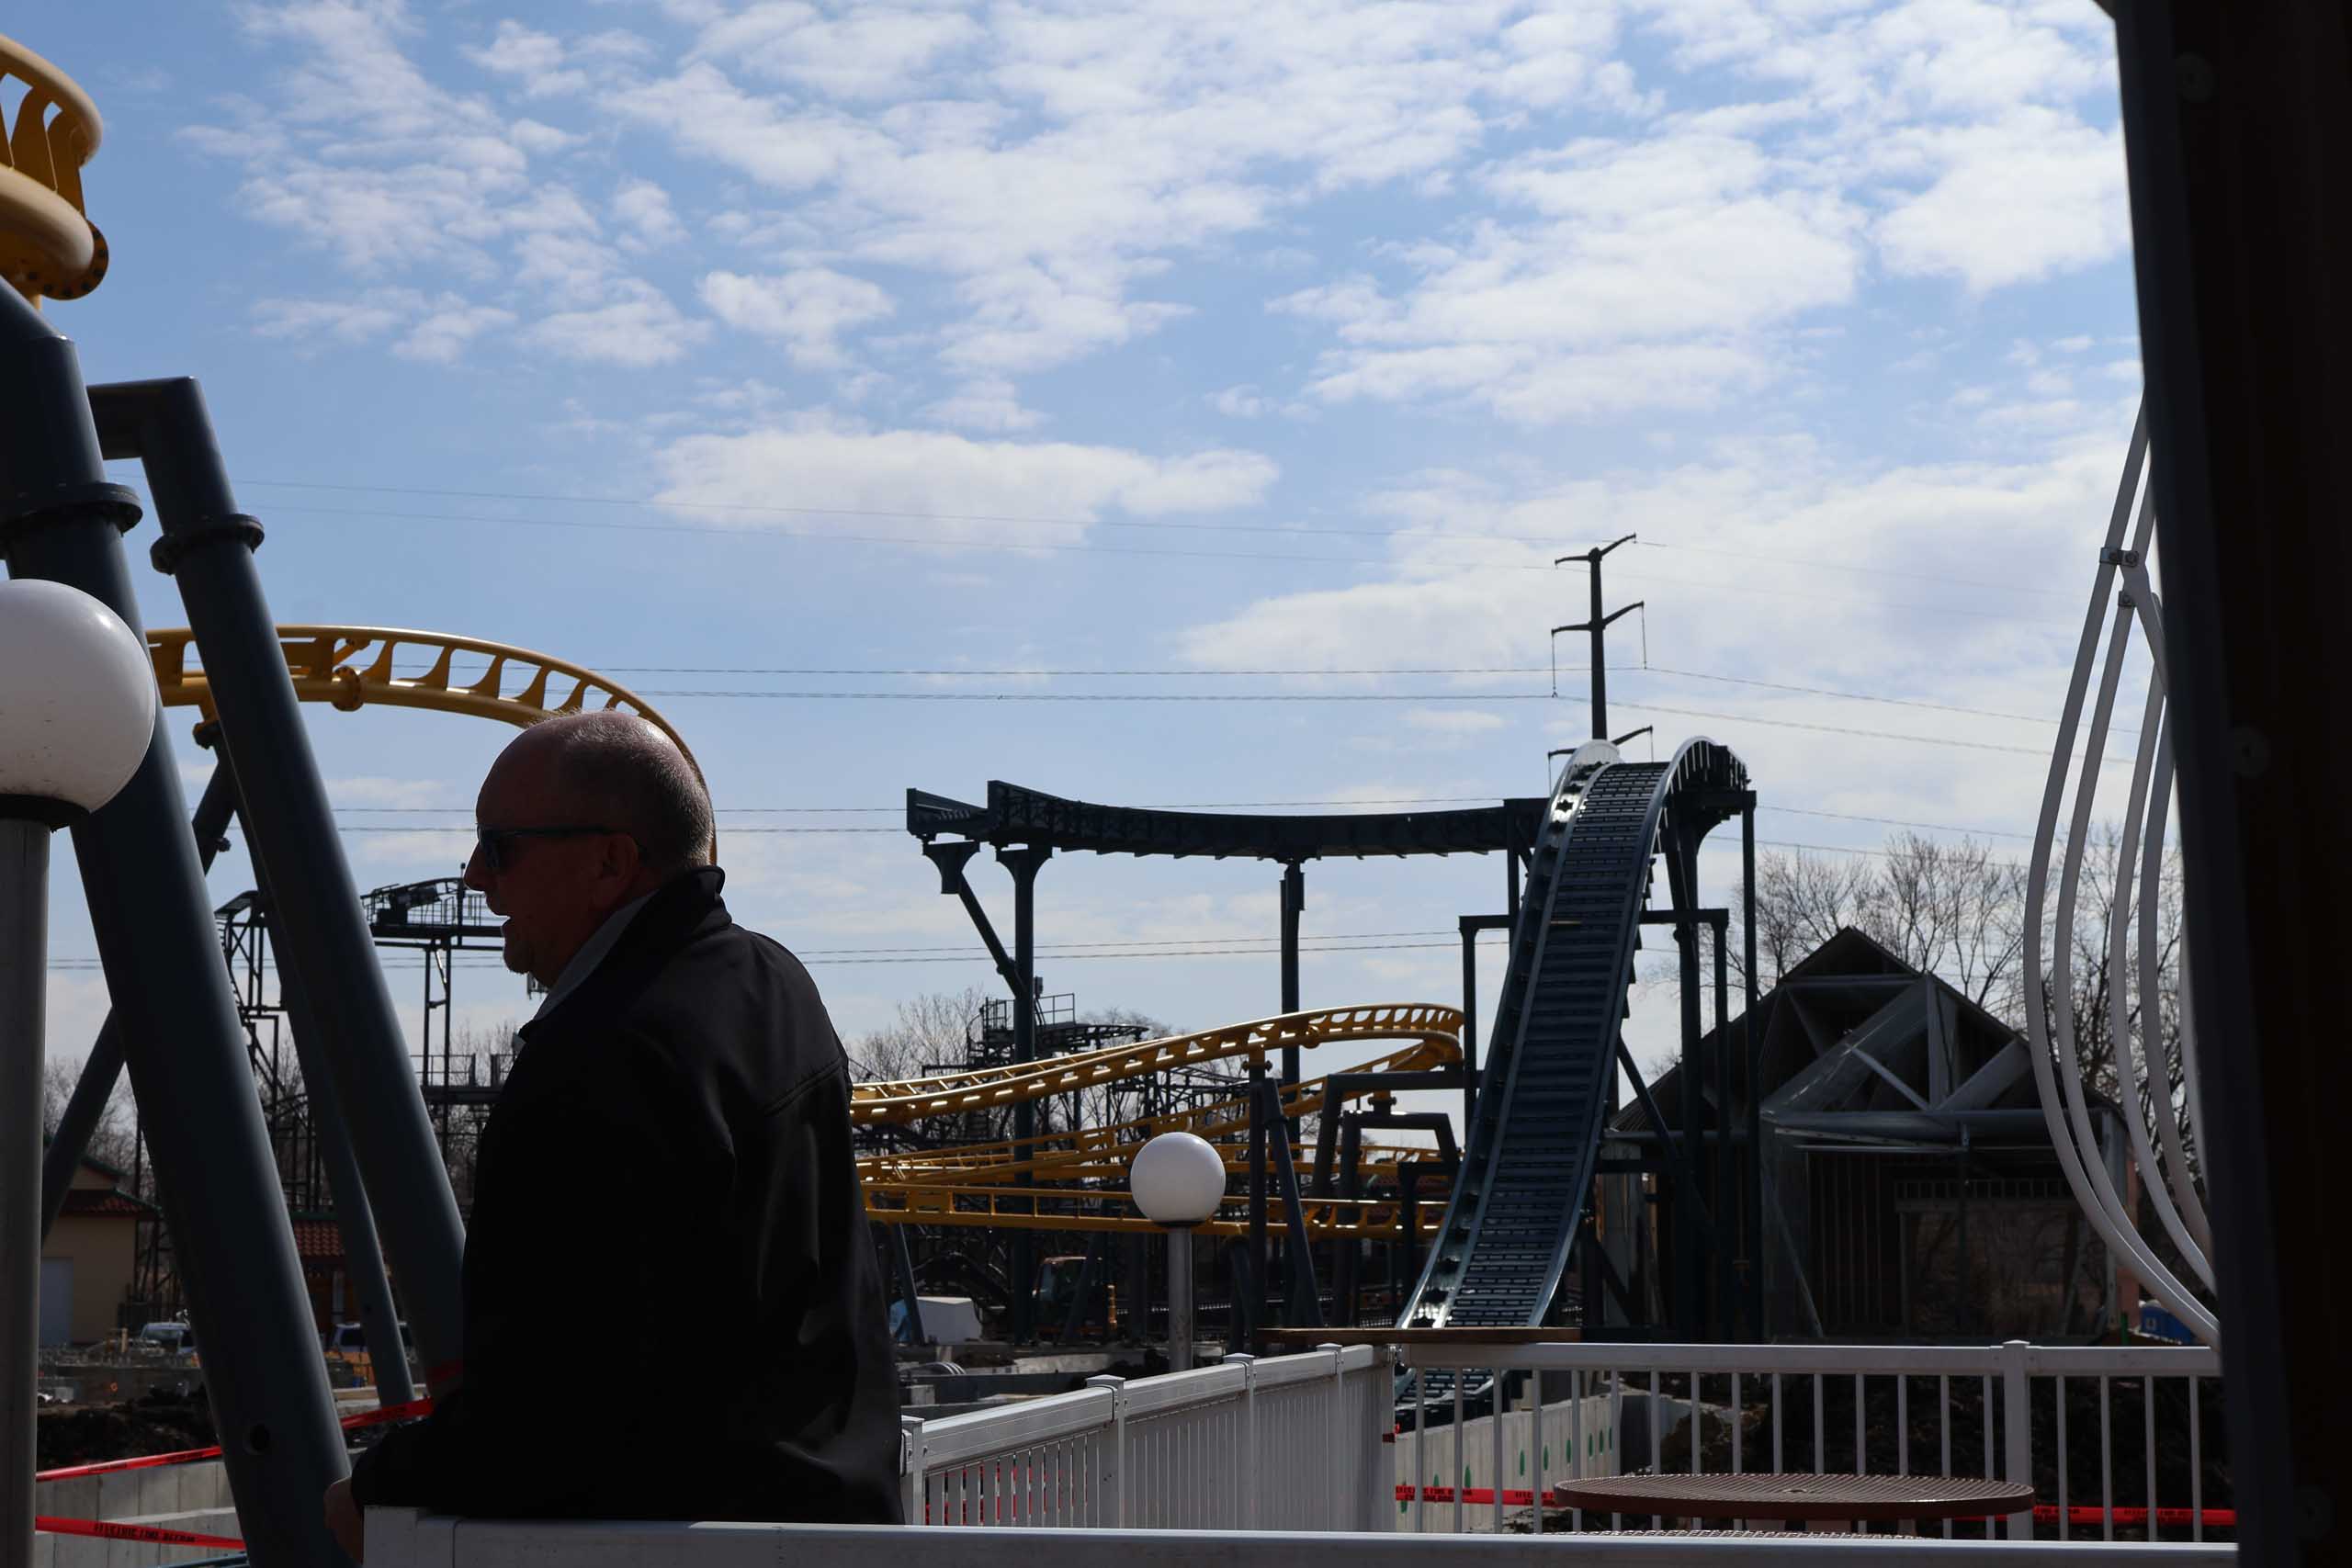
[(1597, 625)]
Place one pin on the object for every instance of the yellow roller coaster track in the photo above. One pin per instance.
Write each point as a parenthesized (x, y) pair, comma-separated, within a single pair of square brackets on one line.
[(48, 244), (1101, 1153), (334, 665), (1100, 1209), (1435, 1028)]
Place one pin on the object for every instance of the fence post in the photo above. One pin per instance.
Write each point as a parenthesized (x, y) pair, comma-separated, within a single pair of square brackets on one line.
[(1115, 1484), (1379, 1439), (1336, 1444), (913, 1495), (1248, 1485), (2017, 1414)]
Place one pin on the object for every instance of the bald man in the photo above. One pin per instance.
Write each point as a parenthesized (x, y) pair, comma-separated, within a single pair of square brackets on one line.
[(672, 1307)]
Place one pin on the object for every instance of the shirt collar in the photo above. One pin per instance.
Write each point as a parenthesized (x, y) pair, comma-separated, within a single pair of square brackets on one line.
[(591, 953)]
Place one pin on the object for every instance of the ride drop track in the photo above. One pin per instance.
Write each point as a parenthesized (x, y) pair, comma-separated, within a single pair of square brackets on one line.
[(1529, 1154)]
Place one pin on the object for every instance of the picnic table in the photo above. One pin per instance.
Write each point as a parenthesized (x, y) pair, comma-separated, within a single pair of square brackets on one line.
[(1798, 1498)]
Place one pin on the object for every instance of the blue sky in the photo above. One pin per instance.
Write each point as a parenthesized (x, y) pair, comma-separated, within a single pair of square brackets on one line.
[(1185, 340)]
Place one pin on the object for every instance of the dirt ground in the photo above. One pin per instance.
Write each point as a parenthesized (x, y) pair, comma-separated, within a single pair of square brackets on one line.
[(159, 1422)]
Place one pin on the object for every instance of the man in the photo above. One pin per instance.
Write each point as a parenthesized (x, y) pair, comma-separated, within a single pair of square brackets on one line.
[(672, 1307)]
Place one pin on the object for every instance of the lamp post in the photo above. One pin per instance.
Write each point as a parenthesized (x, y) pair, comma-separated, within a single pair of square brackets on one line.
[(77, 708), (1178, 1181)]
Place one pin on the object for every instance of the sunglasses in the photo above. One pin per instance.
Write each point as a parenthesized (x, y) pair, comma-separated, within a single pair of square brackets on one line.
[(495, 845)]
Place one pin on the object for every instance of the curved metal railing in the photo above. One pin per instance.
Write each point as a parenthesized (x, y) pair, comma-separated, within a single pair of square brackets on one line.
[(2134, 908)]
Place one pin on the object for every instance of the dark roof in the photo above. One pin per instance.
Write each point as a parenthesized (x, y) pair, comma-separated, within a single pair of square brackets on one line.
[(83, 1202), (1836, 987), (317, 1240)]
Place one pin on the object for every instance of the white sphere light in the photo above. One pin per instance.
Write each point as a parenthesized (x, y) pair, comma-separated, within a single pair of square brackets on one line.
[(77, 695), (1177, 1179)]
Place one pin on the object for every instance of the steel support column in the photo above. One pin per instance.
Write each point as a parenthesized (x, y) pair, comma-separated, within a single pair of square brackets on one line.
[(1752, 1237), (1023, 863), (2237, 122), (24, 991), (207, 547), (1293, 896), (60, 520), (103, 1069)]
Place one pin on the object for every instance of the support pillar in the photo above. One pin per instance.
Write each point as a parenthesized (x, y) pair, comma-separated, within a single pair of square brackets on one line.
[(1294, 905), (207, 547), (1023, 863), (60, 520), (24, 989), (103, 1069)]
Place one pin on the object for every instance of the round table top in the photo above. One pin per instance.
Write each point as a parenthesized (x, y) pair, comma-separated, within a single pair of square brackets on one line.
[(1794, 1497)]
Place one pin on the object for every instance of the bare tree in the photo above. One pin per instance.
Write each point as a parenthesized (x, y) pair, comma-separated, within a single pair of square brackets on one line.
[(112, 1140), (1951, 908), (1956, 908), (930, 1032)]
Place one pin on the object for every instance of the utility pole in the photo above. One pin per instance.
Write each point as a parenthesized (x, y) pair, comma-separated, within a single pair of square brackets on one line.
[(1597, 624)]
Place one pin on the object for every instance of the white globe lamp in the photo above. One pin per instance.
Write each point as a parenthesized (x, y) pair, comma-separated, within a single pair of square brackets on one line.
[(77, 711), (77, 702), (1178, 1181)]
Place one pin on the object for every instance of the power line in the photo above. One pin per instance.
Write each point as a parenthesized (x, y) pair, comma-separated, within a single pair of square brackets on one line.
[(1201, 805), (903, 541), (1548, 541), (1858, 734)]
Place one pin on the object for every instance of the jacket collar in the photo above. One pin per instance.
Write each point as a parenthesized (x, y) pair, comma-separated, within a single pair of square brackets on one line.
[(673, 914)]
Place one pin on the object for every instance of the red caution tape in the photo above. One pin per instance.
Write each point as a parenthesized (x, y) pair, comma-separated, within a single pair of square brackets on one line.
[(45, 1524), (189, 1456)]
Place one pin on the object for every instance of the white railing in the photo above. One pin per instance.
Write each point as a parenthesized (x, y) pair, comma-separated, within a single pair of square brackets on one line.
[(2014, 1412), (1294, 1462), (400, 1537), (1294, 1443)]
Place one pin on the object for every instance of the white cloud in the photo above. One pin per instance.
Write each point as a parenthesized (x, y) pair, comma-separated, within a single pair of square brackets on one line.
[(1239, 402), (643, 209), (442, 336), (2014, 201), (1453, 721), (533, 58), (990, 403), (950, 486), (637, 329), (806, 311), (312, 322), (1650, 279)]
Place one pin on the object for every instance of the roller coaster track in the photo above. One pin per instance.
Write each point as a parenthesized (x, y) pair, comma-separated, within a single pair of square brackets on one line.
[(1105, 1209), (1437, 1029), (327, 666), (1096, 1153), (1529, 1154)]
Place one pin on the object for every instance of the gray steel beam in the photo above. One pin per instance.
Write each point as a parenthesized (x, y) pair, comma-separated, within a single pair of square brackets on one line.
[(207, 547), (60, 520), (103, 1069), (1023, 863)]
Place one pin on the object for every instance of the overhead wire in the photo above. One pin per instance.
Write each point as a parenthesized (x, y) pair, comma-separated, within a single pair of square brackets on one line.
[(1030, 547), (1548, 541)]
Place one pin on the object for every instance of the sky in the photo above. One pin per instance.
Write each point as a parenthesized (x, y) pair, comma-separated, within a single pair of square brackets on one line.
[(1150, 403)]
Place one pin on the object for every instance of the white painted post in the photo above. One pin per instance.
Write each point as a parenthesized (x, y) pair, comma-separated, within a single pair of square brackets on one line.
[(1250, 1483), (1335, 1441), (2017, 1412), (1115, 1484), (910, 1483)]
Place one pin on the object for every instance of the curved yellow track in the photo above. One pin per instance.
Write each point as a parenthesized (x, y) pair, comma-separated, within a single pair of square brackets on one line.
[(1436, 1029), (335, 665)]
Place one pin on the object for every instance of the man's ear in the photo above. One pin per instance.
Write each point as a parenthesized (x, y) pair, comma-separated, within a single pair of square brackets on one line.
[(621, 860)]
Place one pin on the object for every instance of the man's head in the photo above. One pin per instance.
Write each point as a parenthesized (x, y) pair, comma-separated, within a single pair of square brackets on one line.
[(586, 812)]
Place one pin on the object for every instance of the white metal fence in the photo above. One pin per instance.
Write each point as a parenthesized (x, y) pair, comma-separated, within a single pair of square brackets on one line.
[(1263, 1462), (1293, 1443), (2017, 1412)]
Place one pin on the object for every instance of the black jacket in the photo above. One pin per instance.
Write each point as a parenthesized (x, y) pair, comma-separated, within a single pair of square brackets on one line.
[(672, 1306)]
